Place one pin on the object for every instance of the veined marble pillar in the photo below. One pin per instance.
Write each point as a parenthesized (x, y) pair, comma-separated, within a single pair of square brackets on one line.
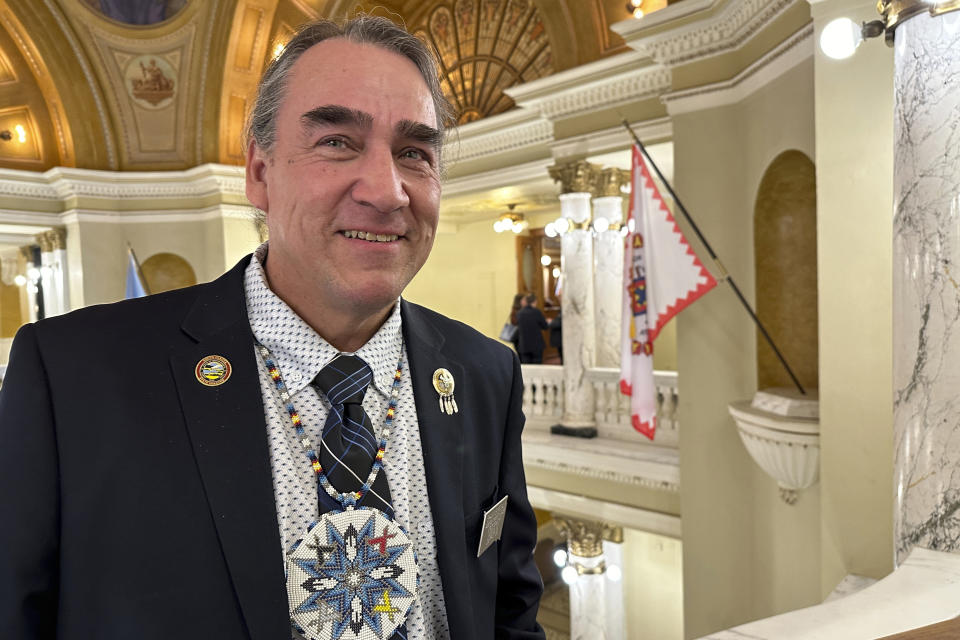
[(30, 288), (608, 276), (596, 596), (926, 284), (576, 256), (53, 273)]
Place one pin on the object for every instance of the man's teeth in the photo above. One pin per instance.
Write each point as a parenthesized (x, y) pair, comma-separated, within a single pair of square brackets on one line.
[(370, 237)]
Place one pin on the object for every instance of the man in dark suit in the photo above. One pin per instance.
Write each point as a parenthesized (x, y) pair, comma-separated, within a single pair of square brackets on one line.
[(530, 326), (159, 456)]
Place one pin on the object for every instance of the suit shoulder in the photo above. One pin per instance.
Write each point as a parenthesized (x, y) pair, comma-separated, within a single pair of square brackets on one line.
[(459, 336), (147, 311)]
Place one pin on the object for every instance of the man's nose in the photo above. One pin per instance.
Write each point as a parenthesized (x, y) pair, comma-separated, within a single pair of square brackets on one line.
[(380, 183)]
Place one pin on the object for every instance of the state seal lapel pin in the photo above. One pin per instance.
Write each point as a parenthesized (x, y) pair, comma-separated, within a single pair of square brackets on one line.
[(444, 384), (212, 371)]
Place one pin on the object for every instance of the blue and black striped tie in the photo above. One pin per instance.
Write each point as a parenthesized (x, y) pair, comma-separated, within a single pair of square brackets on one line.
[(348, 436)]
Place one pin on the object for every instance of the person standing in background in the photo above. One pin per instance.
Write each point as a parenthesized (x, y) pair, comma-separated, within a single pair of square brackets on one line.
[(530, 324)]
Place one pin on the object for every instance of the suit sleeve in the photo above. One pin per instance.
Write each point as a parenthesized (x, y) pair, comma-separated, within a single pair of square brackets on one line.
[(29, 497), (519, 588)]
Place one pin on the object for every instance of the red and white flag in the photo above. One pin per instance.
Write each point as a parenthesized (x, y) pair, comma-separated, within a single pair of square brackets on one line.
[(662, 275)]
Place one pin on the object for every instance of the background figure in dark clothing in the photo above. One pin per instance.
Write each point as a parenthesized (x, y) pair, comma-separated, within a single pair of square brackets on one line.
[(556, 334), (519, 302), (530, 323)]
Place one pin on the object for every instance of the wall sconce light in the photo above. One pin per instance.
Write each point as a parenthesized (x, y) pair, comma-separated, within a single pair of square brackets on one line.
[(510, 221), (635, 7), (841, 37)]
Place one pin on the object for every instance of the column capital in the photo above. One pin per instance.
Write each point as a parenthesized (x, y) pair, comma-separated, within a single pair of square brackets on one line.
[(586, 537), (52, 240), (579, 176), (610, 181)]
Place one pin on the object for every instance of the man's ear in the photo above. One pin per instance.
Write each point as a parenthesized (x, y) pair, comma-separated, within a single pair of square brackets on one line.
[(256, 172)]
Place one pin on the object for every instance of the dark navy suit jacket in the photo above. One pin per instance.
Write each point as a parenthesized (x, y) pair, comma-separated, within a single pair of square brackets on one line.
[(137, 503)]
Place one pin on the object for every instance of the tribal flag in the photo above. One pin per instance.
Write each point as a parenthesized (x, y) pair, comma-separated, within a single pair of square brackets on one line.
[(662, 275)]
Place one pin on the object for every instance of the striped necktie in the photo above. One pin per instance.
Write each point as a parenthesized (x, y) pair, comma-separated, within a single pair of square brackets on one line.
[(349, 441)]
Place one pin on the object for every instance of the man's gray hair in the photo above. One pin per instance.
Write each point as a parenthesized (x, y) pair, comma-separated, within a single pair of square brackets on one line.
[(262, 124)]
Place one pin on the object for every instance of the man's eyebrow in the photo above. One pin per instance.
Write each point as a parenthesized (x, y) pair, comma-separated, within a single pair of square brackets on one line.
[(419, 132), (332, 114)]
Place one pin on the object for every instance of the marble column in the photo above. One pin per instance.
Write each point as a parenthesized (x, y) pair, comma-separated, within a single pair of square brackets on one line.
[(608, 275), (30, 288), (926, 284), (596, 600), (53, 275), (577, 299)]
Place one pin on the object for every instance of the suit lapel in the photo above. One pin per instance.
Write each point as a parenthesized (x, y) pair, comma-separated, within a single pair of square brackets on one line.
[(441, 438), (228, 433)]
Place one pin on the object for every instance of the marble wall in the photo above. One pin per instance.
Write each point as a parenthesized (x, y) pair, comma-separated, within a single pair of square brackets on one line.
[(926, 284)]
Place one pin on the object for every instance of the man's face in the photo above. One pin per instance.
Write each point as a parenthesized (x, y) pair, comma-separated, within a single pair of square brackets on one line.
[(351, 188)]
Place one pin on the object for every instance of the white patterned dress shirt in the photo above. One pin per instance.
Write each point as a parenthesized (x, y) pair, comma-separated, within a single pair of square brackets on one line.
[(300, 353)]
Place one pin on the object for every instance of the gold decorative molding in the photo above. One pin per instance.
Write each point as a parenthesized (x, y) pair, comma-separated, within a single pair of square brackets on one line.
[(246, 55), (52, 240), (26, 252), (610, 182), (44, 78), (586, 537), (895, 12), (576, 177)]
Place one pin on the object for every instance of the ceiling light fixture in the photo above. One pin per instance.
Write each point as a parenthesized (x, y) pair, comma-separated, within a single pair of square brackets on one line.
[(510, 221)]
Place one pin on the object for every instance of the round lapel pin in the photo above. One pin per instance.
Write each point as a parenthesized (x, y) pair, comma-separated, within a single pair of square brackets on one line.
[(213, 371), (444, 384)]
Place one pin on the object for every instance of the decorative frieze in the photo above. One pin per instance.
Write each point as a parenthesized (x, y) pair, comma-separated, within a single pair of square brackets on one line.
[(732, 26)]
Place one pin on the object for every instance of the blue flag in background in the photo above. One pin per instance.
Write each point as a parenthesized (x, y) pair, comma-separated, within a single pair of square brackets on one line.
[(134, 285)]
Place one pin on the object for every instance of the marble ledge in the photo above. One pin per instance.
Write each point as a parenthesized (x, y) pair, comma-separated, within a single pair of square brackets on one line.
[(639, 463), (924, 590)]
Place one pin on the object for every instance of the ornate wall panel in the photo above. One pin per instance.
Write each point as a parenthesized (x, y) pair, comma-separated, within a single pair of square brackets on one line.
[(29, 98), (153, 78), (248, 49)]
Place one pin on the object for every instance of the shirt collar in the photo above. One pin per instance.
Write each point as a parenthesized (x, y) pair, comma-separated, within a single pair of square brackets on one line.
[(296, 347)]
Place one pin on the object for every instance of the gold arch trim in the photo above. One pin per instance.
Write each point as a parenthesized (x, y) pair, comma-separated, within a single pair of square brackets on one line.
[(246, 53), (44, 78)]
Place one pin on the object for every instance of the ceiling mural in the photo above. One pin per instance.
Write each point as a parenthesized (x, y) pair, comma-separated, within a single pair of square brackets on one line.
[(137, 12), (485, 46), (166, 84)]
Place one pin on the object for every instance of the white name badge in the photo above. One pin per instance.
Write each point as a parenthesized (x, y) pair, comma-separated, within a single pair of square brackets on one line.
[(492, 525)]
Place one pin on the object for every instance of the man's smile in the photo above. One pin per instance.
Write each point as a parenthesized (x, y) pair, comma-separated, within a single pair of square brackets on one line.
[(369, 236)]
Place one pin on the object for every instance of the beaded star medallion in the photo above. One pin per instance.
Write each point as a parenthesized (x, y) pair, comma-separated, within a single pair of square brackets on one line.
[(352, 577)]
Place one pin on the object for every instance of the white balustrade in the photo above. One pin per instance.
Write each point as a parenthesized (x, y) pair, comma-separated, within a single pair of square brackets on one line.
[(543, 402), (542, 395)]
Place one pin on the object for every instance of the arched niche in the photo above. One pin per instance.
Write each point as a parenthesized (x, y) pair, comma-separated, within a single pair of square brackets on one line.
[(785, 255), (166, 271)]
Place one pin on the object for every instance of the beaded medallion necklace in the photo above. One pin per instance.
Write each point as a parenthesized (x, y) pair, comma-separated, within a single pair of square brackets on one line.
[(344, 581)]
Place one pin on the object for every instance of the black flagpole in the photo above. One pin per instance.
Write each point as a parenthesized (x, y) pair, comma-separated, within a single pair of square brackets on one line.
[(723, 272)]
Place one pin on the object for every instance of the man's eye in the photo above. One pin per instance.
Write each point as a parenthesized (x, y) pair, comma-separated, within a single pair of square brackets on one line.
[(414, 154), (333, 143)]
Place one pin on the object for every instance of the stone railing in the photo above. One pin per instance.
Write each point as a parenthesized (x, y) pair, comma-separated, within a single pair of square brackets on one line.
[(543, 402), (543, 393)]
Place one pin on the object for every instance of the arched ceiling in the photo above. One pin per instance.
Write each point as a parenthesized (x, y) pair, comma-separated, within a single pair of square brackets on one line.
[(93, 92)]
